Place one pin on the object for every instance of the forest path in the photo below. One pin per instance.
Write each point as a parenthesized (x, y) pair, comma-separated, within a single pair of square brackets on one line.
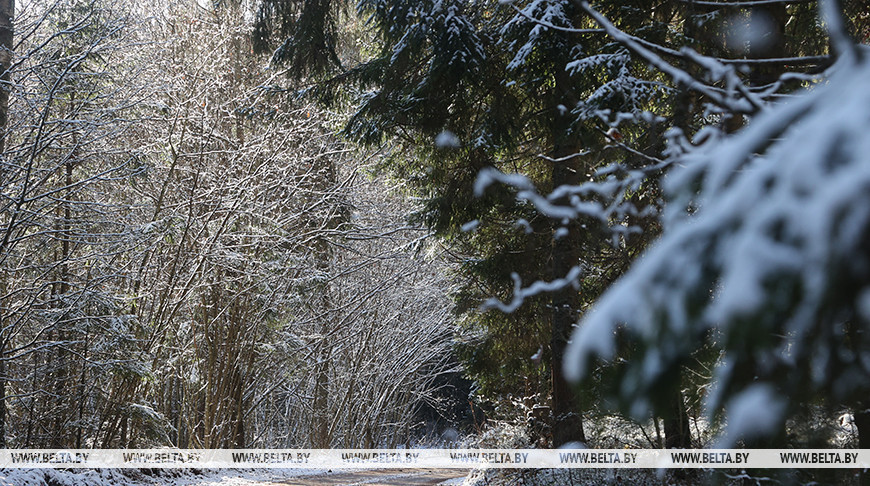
[(378, 477)]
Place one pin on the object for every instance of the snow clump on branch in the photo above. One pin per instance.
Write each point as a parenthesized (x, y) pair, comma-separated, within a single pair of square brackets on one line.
[(770, 259)]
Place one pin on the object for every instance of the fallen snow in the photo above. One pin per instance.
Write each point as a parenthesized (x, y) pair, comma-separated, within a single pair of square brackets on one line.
[(172, 477)]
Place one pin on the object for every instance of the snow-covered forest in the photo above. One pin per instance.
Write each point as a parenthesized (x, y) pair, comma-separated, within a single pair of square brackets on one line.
[(525, 223), (190, 260)]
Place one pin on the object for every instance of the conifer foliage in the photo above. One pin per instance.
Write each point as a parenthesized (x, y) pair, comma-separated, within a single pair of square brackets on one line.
[(456, 87), (565, 116)]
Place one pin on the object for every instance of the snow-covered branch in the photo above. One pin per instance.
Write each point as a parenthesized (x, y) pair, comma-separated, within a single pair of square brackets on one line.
[(748, 103)]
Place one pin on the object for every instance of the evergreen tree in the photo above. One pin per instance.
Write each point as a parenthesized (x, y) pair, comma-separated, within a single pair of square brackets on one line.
[(462, 86), (741, 268)]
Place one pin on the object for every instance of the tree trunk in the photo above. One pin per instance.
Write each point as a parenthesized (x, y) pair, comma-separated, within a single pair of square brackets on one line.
[(7, 10), (320, 405), (321, 400), (678, 435), (774, 17), (862, 423), (566, 251), (567, 422)]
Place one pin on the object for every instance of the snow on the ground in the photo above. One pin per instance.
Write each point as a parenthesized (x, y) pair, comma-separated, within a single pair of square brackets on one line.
[(453, 482), (169, 477), (561, 477), (245, 477)]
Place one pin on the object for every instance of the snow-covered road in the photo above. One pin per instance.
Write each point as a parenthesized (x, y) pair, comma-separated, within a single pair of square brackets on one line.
[(388, 477)]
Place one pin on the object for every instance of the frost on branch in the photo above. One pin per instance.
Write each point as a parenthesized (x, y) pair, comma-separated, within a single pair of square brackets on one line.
[(769, 261)]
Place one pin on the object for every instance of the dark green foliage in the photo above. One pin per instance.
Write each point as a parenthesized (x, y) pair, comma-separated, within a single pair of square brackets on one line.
[(308, 30), (517, 96)]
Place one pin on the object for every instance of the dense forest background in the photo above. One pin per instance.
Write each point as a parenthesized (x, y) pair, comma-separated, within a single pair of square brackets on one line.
[(189, 259), (324, 224)]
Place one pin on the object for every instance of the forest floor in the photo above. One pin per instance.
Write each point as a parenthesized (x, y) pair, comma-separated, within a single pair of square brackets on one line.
[(379, 477), (674, 477), (424, 477), (235, 477)]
